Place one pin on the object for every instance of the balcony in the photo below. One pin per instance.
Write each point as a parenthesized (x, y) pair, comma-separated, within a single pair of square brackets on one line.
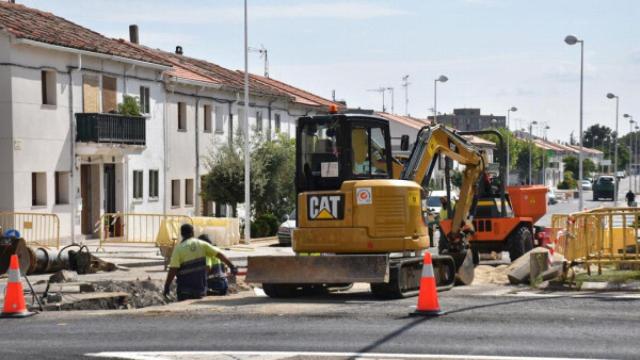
[(111, 129)]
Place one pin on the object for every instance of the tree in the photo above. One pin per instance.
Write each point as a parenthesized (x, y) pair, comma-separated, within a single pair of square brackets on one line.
[(596, 135), (522, 162), (571, 165), (272, 175)]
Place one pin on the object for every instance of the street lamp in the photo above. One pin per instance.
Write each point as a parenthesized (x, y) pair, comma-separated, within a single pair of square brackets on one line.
[(615, 152), (631, 122), (531, 148), (572, 40), (509, 111), (544, 154), (636, 154), (442, 79), (247, 155)]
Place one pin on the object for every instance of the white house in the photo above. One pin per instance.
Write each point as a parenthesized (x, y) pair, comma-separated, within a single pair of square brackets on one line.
[(62, 152), (65, 151)]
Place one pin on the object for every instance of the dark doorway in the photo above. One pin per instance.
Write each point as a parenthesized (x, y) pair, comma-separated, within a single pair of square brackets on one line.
[(109, 188)]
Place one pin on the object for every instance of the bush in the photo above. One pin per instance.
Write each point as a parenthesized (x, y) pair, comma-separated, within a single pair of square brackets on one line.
[(265, 225), (129, 106), (568, 182)]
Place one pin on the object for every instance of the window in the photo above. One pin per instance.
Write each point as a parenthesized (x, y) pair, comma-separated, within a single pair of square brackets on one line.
[(259, 121), (153, 184), (38, 189), (62, 187), (182, 116), (188, 192), (276, 120), (369, 151), (240, 118), (144, 99), (48, 79), (221, 210), (137, 184), (175, 193), (207, 118), (109, 103), (219, 120)]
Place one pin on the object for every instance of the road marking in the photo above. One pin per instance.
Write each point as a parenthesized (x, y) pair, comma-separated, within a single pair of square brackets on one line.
[(275, 355)]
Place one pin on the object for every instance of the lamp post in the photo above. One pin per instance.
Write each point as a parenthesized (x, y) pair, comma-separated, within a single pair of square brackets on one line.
[(636, 128), (245, 121), (441, 79), (631, 122), (531, 149), (544, 155), (509, 111), (615, 152), (572, 40)]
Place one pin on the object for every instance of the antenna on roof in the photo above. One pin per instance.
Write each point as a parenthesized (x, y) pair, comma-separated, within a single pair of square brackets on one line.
[(405, 85), (390, 88), (380, 90), (264, 54)]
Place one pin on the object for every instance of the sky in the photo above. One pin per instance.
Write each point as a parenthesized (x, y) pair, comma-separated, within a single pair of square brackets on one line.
[(496, 53)]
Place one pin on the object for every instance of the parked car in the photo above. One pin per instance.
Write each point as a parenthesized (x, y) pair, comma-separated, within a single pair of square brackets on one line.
[(586, 185), (603, 188), (284, 231), (621, 174)]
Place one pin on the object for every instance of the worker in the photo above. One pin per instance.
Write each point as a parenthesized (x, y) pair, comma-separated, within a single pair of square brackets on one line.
[(631, 198), (216, 277), (189, 264), (444, 210)]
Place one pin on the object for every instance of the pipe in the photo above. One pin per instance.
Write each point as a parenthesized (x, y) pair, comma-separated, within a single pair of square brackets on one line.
[(196, 200), (72, 153)]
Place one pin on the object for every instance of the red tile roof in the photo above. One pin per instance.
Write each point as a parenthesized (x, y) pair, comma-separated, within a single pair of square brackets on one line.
[(405, 120), (27, 23), (300, 96)]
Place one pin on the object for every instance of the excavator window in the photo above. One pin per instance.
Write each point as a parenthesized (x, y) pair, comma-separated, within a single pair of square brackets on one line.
[(331, 149), (369, 152)]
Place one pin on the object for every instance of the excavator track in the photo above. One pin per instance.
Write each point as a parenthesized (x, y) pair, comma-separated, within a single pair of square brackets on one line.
[(404, 277)]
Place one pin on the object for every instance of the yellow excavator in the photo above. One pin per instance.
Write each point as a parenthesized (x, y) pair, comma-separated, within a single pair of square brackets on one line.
[(362, 215)]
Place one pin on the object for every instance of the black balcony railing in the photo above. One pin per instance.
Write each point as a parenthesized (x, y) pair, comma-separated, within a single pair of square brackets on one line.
[(111, 129)]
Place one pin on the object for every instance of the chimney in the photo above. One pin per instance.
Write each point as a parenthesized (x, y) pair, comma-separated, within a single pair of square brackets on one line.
[(133, 34), (179, 50)]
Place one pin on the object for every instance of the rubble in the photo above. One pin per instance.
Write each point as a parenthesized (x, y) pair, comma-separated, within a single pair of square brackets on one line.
[(519, 272)]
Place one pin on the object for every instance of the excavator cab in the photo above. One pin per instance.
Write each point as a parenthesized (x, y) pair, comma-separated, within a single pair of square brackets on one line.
[(335, 148)]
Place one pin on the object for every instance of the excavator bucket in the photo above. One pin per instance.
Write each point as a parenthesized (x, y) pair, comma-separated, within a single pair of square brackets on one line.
[(465, 267), (323, 269)]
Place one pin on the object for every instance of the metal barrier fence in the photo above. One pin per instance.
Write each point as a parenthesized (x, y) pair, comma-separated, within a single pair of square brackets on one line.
[(40, 229), (158, 229), (598, 236)]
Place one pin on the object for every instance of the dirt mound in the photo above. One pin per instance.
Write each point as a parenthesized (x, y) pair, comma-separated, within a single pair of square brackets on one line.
[(142, 293), (487, 274)]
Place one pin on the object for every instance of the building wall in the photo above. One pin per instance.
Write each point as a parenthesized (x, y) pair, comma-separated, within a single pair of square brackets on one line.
[(6, 128)]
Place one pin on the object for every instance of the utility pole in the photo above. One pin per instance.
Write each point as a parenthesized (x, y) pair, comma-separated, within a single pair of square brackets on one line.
[(264, 54), (380, 90), (390, 88), (405, 85), (247, 155)]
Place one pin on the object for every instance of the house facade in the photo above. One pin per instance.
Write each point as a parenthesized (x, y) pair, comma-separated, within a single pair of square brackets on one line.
[(66, 150)]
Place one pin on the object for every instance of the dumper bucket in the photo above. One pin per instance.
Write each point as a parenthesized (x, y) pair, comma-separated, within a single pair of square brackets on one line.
[(324, 269), (528, 201)]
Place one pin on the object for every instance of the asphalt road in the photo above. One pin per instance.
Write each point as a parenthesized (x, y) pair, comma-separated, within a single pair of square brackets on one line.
[(477, 324)]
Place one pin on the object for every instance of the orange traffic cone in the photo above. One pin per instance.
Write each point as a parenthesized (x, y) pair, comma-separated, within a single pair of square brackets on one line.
[(14, 304), (428, 296)]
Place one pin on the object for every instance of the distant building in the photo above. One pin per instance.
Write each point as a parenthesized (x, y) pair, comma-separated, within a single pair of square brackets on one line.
[(470, 120)]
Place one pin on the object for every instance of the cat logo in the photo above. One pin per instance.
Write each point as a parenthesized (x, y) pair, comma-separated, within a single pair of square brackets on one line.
[(325, 207)]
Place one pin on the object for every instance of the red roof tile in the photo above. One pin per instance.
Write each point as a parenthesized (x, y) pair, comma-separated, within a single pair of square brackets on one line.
[(27, 23), (300, 96)]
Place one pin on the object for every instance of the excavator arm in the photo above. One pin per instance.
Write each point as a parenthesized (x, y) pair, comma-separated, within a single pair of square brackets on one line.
[(435, 141)]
